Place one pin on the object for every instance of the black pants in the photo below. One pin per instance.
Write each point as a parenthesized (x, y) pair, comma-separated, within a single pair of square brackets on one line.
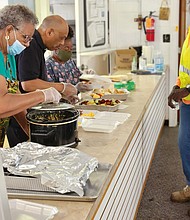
[(15, 133)]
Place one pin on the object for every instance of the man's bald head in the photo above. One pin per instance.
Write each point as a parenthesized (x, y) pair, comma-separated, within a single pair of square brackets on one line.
[(53, 30), (53, 21)]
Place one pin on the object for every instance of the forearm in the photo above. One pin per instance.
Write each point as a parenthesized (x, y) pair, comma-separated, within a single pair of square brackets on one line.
[(32, 85), (12, 104)]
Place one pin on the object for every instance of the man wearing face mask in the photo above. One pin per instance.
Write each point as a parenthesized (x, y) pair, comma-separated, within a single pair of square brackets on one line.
[(61, 68)]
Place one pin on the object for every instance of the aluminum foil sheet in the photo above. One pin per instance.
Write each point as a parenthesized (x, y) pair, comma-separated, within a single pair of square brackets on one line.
[(60, 168)]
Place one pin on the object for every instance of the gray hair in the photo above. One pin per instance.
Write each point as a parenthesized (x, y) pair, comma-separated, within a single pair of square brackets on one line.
[(16, 15)]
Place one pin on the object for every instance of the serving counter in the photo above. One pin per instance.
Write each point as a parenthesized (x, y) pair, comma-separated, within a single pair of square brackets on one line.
[(129, 149)]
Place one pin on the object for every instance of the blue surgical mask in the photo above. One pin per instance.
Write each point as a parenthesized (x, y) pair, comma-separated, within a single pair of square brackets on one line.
[(15, 48)]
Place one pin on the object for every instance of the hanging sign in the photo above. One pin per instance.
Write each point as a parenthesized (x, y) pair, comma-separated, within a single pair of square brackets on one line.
[(164, 10)]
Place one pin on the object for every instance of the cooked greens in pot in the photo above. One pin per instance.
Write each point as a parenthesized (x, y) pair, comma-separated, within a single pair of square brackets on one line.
[(54, 116)]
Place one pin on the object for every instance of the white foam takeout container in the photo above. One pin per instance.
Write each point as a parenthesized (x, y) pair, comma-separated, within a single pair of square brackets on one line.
[(99, 125), (104, 121)]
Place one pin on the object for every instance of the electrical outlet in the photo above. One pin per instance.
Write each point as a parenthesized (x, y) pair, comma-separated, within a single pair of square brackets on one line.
[(166, 38)]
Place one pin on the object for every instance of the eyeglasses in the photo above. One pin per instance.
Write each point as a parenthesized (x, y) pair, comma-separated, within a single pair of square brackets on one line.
[(27, 38)]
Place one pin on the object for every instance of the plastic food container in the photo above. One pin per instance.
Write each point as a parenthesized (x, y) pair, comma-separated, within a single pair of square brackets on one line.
[(105, 122), (130, 85), (99, 125), (119, 85), (121, 97), (21, 209), (97, 107)]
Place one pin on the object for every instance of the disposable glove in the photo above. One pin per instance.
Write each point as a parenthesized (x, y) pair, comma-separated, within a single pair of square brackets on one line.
[(91, 71), (68, 90), (51, 95), (83, 87), (88, 71), (73, 99)]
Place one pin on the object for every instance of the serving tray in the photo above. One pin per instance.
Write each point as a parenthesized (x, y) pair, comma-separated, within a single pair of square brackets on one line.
[(97, 107), (31, 188), (121, 97)]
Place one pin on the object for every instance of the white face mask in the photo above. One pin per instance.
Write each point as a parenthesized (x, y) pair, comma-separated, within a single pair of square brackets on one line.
[(15, 48)]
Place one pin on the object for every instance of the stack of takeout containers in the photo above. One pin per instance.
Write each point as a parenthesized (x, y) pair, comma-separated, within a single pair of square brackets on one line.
[(104, 122)]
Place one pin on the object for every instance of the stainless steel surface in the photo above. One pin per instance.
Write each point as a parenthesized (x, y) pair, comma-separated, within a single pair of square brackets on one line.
[(53, 106), (31, 188)]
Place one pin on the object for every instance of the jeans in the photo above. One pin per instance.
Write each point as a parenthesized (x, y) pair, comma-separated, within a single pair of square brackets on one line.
[(184, 139)]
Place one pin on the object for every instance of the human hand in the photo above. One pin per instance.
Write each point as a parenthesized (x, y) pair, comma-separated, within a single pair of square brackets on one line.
[(83, 87), (176, 95), (73, 99), (170, 97), (69, 90), (51, 95), (91, 71)]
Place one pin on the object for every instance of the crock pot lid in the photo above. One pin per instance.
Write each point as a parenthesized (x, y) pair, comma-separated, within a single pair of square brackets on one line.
[(53, 106)]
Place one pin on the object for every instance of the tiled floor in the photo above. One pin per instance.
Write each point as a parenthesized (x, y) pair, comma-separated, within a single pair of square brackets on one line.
[(165, 176)]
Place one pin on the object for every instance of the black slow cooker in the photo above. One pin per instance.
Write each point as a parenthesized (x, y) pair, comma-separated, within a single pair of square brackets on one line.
[(54, 125)]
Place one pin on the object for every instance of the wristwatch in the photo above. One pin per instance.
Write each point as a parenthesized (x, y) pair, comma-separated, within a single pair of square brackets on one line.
[(188, 88)]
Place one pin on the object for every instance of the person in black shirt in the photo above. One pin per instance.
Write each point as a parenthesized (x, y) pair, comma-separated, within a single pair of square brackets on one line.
[(31, 70)]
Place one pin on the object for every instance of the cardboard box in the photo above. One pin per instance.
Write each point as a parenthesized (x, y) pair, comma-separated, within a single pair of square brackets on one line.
[(124, 58)]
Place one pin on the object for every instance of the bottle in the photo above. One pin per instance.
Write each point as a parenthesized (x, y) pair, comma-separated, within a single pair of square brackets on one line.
[(82, 67), (86, 69), (176, 104), (134, 64), (158, 62), (142, 62)]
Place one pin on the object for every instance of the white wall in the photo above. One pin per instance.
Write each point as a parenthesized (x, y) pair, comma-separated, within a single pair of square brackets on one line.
[(124, 33), (3, 3), (123, 29), (188, 14)]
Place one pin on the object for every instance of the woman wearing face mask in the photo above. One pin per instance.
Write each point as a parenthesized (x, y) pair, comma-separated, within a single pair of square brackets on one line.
[(17, 25), (61, 68)]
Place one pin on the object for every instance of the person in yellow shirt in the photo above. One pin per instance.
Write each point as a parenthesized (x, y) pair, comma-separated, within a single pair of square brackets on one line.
[(181, 93)]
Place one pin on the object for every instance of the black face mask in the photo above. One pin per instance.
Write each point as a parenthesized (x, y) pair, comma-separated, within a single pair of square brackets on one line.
[(64, 55)]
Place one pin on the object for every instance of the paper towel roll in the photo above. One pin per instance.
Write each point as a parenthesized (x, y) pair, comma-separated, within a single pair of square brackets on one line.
[(148, 53)]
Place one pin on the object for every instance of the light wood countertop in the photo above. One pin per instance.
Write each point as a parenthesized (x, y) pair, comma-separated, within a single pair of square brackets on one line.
[(109, 147)]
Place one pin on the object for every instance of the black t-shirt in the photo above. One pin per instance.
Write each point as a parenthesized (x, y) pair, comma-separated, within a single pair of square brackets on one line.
[(31, 62)]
